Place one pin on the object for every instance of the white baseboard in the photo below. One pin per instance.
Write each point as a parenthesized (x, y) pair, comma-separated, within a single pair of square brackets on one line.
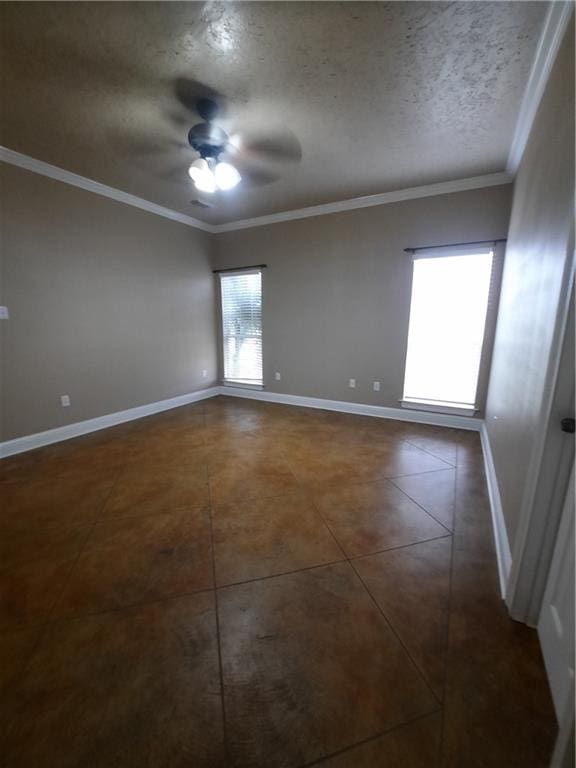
[(503, 553), (360, 409), (29, 442)]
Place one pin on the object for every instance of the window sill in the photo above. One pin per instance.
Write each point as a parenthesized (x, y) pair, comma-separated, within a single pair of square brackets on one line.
[(434, 406), (241, 384)]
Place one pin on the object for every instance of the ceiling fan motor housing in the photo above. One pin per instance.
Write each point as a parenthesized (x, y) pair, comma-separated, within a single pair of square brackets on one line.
[(208, 140)]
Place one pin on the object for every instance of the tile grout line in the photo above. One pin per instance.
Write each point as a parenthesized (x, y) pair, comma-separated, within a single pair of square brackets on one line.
[(167, 598), (216, 611), (378, 607), (117, 609), (396, 634), (369, 739), (446, 535), (430, 453), (83, 547), (420, 505), (315, 506), (415, 474)]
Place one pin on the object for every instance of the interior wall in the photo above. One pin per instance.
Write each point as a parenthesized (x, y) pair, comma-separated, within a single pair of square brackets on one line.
[(336, 293), (108, 304), (535, 281)]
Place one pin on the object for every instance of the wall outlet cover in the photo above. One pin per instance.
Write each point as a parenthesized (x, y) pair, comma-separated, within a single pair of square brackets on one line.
[(277, 376), (4, 314), (376, 386), (65, 400), (352, 383)]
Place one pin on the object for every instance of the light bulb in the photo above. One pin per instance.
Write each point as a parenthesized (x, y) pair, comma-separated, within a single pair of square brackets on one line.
[(226, 176), (202, 176), (206, 183), (198, 169)]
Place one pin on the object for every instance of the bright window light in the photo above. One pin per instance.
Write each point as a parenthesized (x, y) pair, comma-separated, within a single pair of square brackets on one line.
[(241, 295), (446, 332)]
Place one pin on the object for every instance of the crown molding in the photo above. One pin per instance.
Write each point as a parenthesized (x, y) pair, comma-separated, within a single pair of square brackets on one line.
[(412, 193), (553, 31), (53, 172)]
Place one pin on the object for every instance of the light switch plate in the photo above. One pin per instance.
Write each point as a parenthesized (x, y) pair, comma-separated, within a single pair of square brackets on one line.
[(65, 400), (376, 386), (277, 376), (352, 383)]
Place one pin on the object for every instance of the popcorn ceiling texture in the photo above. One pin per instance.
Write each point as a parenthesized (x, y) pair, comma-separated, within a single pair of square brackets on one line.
[(381, 96)]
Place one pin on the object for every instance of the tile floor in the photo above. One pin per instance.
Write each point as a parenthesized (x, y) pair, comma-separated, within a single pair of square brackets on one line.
[(236, 583)]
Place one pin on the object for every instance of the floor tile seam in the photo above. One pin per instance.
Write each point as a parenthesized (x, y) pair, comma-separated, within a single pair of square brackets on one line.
[(396, 635), (81, 550), (391, 481), (59, 620), (113, 486), (217, 619), (354, 558), (420, 505), (282, 573), (387, 731), (318, 512), (344, 559), (449, 464), (415, 474), (144, 515), (102, 516), (376, 603), (449, 622)]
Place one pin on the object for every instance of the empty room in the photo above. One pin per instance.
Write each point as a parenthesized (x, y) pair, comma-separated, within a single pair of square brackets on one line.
[(287, 384)]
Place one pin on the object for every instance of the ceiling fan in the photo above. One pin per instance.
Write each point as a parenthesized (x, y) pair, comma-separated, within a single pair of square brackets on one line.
[(209, 172), (250, 155)]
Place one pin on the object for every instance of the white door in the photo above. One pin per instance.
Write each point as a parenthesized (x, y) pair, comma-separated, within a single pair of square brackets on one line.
[(556, 624)]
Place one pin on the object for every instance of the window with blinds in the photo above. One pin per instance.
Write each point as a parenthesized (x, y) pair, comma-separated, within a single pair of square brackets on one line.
[(451, 292), (241, 296)]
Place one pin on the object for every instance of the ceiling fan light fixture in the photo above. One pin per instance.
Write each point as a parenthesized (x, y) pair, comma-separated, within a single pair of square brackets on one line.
[(202, 176), (226, 176), (206, 183)]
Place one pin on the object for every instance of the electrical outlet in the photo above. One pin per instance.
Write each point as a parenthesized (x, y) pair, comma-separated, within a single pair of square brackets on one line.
[(204, 373), (376, 386), (65, 401), (4, 314), (352, 383), (277, 376)]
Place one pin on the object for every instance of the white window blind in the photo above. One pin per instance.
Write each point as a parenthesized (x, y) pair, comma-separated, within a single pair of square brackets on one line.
[(450, 297), (241, 296)]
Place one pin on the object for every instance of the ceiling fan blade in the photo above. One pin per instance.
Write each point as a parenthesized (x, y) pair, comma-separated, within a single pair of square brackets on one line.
[(254, 171), (259, 177), (191, 93), (279, 146)]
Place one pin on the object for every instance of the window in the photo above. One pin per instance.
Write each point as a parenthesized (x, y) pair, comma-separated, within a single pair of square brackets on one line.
[(450, 295), (241, 296)]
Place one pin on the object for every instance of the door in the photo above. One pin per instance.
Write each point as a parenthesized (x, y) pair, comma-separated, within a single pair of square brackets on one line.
[(556, 624)]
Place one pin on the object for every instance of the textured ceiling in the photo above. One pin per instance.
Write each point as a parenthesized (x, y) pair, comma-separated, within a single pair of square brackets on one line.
[(380, 96)]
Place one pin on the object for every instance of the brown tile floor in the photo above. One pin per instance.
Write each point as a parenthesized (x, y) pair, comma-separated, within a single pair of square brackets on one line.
[(242, 584)]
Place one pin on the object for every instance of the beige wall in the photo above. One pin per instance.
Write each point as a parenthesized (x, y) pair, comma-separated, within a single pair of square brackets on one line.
[(538, 255), (108, 304), (337, 291)]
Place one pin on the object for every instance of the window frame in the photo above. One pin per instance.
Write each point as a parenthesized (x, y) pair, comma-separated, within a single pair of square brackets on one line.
[(219, 274), (498, 252)]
